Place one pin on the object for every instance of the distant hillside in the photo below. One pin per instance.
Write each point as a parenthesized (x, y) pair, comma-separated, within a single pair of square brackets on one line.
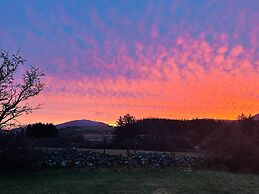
[(81, 123), (256, 117)]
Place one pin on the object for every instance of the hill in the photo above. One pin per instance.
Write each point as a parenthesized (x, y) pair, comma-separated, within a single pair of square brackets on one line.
[(81, 123), (79, 132), (256, 117)]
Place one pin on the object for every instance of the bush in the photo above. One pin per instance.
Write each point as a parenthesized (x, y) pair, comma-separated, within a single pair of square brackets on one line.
[(20, 158), (16, 152), (234, 147)]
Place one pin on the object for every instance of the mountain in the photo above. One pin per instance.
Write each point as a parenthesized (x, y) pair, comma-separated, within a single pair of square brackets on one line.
[(256, 117), (81, 123)]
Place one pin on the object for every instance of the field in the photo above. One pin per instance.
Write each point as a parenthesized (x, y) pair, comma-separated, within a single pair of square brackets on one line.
[(128, 181), (93, 134)]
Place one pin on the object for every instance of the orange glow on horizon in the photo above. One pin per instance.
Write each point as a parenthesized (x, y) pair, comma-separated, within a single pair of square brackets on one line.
[(227, 87)]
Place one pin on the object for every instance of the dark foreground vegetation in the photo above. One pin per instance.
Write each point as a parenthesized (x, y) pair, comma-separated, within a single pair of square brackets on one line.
[(224, 145), (128, 181)]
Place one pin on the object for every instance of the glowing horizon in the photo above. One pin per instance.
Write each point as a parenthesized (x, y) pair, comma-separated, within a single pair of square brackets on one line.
[(167, 59)]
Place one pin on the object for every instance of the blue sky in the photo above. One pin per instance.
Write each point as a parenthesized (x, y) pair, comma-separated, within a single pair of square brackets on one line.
[(152, 45)]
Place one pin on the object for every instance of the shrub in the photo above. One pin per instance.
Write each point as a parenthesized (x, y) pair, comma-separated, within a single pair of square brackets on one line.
[(234, 147), (20, 158)]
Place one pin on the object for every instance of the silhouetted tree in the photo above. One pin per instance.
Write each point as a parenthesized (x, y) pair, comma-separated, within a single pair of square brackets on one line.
[(125, 120), (125, 132), (39, 130), (242, 117), (15, 91), (248, 125)]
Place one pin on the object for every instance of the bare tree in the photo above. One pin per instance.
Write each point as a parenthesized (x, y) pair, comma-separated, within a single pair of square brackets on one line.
[(16, 89)]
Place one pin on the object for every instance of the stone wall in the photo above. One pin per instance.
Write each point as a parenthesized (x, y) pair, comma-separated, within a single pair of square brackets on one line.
[(72, 158)]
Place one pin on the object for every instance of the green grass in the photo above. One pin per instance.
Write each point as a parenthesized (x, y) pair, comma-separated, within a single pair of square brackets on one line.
[(128, 181)]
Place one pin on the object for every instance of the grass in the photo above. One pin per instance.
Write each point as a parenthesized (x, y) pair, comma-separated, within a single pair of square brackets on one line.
[(128, 181), (123, 152)]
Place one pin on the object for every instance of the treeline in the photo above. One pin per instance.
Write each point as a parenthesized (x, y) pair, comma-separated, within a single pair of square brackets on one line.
[(234, 146), (47, 135), (40, 130), (165, 134), (226, 145), (37, 134)]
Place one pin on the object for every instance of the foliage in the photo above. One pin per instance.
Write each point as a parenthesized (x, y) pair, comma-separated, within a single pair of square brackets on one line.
[(16, 152), (13, 138), (125, 132), (125, 120), (39, 130), (20, 158), (234, 146), (13, 95), (165, 134)]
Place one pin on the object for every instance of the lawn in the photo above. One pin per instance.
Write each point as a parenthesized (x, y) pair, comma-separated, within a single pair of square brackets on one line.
[(128, 181)]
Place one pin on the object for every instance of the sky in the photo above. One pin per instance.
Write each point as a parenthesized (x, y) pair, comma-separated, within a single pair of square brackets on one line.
[(150, 58)]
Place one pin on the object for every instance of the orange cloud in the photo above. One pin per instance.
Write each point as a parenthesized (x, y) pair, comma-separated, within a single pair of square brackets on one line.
[(192, 78)]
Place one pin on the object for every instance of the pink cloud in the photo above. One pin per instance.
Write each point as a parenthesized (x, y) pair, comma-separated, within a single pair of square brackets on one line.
[(226, 87), (148, 72)]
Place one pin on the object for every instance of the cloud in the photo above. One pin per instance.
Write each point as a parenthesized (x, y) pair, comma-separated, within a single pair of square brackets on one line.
[(192, 78), (166, 59)]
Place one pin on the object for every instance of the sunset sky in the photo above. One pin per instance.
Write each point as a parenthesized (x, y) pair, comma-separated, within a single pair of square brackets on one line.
[(168, 59)]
